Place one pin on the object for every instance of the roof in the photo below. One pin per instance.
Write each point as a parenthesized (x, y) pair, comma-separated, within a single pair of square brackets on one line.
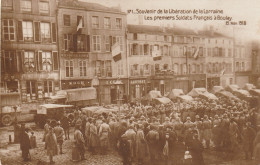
[(89, 6), (148, 29), (208, 33)]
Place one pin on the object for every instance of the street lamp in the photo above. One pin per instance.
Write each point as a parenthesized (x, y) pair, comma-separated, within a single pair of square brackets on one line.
[(118, 82)]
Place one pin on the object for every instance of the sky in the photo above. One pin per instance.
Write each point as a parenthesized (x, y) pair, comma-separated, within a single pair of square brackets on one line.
[(239, 10)]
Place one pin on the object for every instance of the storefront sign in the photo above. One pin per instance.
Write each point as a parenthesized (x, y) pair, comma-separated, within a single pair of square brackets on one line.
[(75, 55), (114, 82), (182, 78), (137, 81), (67, 84)]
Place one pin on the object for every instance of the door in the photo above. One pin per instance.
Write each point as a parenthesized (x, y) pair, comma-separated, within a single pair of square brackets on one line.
[(113, 94)]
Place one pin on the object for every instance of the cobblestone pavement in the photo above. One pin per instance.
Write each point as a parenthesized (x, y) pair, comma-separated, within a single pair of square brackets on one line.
[(10, 154)]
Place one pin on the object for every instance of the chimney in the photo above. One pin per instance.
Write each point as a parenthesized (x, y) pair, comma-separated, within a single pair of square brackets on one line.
[(140, 19)]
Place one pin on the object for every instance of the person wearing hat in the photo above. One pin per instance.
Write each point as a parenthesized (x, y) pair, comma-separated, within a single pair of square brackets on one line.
[(51, 143), (233, 133), (93, 137), (198, 126), (196, 149), (79, 142), (152, 138), (25, 144), (141, 145), (167, 123), (59, 132), (65, 124), (248, 136), (178, 127), (206, 130), (130, 135), (104, 132)]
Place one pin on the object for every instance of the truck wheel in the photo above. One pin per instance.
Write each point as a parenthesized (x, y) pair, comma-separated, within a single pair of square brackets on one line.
[(7, 120)]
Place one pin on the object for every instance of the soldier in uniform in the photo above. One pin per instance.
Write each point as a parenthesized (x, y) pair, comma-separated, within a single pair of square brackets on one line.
[(104, 132), (233, 133), (198, 125), (206, 127), (59, 132), (248, 136), (130, 135), (79, 142), (152, 138), (178, 127)]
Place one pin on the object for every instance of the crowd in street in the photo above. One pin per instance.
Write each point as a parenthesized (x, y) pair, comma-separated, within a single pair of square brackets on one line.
[(174, 133)]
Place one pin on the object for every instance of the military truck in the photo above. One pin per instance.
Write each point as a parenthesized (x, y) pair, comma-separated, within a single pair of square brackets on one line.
[(10, 107)]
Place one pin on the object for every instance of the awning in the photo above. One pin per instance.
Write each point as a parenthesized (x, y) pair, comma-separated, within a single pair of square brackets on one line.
[(233, 87), (227, 94), (216, 89), (163, 100), (185, 97), (153, 94), (197, 91), (255, 92), (175, 93), (249, 86), (209, 96)]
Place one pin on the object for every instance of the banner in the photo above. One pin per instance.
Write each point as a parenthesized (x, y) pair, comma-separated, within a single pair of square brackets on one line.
[(116, 52)]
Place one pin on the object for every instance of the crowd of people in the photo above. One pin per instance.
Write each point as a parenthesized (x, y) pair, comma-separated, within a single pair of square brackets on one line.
[(174, 133)]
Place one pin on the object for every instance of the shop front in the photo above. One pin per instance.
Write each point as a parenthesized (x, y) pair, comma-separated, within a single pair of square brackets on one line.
[(213, 81), (73, 84), (112, 90), (139, 88), (38, 86)]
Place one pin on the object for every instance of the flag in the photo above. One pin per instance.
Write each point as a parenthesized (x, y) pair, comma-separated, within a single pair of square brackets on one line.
[(196, 53), (222, 72), (156, 54), (116, 52), (80, 24)]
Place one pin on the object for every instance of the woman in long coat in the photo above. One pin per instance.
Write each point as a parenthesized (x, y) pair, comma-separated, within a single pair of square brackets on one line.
[(51, 144)]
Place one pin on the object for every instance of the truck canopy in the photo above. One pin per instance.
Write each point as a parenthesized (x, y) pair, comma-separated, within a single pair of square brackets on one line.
[(80, 94), (10, 99), (51, 106)]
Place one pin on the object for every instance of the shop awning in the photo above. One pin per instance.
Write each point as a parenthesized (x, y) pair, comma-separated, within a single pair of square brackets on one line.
[(233, 87), (154, 94), (255, 92), (195, 92), (216, 89), (249, 86), (163, 100), (227, 94), (185, 97), (175, 93), (209, 96)]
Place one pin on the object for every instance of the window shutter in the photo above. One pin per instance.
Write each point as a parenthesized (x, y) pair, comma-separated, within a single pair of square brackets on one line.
[(88, 43), (20, 31), (16, 69), (21, 54), (114, 41), (53, 31), (75, 42), (19, 61), (37, 34), (111, 42), (39, 60), (55, 61), (2, 61)]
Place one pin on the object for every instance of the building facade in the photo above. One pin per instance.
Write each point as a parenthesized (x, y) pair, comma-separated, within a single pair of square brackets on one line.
[(29, 57), (255, 78), (87, 32), (242, 61), (219, 59)]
